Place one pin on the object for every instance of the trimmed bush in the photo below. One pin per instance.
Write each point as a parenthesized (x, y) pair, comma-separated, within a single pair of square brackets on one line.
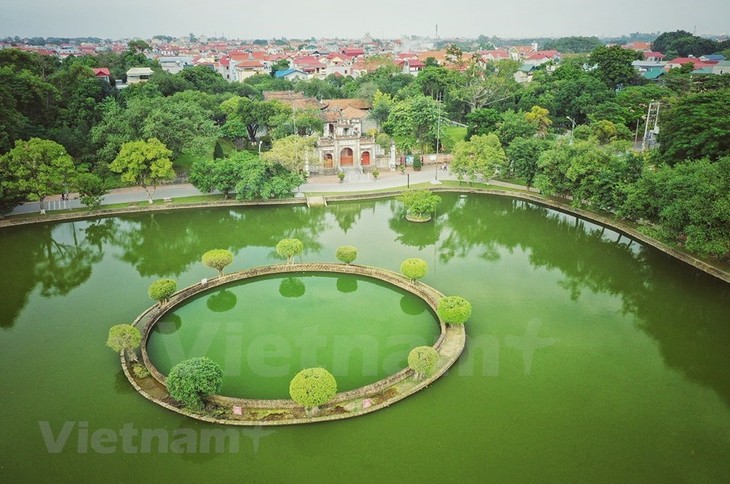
[(414, 268), (312, 387), (218, 259), (191, 381), (289, 248), (140, 371), (420, 203), (161, 290), (422, 360), (346, 254), (124, 337), (454, 309)]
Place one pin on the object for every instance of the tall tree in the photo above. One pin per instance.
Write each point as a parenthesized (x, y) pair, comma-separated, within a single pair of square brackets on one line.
[(382, 105), (414, 118), (145, 164), (482, 121), (689, 201), (261, 179), (221, 175), (613, 65), (293, 153), (682, 43), (696, 126), (482, 155), (37, 168), (524, 154), (539, 116)]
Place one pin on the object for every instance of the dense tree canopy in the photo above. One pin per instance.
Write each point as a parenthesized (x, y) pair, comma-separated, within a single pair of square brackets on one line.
[(597, 100), (482, 155), (613, 65), (144, 163), (191, 381), (573, 45), (219, 175), (696, 126), (36, 168), (681, 43), (690, 201)]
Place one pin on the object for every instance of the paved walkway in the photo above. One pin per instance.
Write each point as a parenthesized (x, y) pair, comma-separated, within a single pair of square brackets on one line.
[(354, 182)]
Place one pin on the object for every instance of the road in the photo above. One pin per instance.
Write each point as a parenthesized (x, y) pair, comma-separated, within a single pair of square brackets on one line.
[(354, 182)]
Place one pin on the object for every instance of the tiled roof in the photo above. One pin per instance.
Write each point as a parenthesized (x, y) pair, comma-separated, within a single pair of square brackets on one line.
[(344, 103), (654, 73), (353, 113), (296, 100), (249, 64)]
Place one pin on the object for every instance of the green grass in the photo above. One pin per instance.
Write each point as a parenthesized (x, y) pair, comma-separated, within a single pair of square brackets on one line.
[(424, 185), (227, 146), (452, 135), (516, 181), (185, 161)]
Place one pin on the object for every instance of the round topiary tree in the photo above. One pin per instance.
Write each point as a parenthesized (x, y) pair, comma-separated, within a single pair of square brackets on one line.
[(289, 248), (191, 381), (454, 309), (124, 337), (422, 360), (346, 254), (218, 259), (312, 387), (414, 268), (161, 290)]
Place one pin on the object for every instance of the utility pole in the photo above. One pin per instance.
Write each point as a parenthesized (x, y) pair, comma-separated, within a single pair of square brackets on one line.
[(572, 128), (651, 127), (438, 123)]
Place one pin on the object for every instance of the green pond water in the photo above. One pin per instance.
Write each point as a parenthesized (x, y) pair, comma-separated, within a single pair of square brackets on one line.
[(590, 358), (360, 329)]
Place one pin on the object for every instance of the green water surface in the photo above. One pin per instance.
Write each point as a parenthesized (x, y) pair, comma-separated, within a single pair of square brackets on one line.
[(590, 357), (263, 331)]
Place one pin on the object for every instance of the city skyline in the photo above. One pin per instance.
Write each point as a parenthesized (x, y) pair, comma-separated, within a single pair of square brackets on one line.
[(381, 19)]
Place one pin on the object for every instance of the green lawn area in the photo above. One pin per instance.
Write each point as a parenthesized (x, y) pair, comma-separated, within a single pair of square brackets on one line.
[(185, 161), (452, 135)]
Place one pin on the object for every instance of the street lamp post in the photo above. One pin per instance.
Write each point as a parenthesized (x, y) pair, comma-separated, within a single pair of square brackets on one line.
[(260, 148)]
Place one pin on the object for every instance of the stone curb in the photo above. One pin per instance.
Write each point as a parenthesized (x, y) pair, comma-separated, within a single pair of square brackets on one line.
[(626, 230), (450, 345)]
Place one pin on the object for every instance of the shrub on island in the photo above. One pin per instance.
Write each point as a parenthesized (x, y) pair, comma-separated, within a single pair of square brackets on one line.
[(192, 381)]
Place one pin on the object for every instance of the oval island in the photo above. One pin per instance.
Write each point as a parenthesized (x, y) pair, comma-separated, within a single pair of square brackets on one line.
[(232, 410)]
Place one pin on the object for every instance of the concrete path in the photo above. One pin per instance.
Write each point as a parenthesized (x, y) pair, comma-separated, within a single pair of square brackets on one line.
[(354, 182)]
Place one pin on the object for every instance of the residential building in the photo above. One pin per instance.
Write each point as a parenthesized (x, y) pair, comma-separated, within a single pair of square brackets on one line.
[(291, 74), (175, 64), (136, 75), (101, 73)]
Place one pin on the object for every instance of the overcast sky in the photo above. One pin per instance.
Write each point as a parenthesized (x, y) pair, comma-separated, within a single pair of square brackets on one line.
[(246, 19)]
